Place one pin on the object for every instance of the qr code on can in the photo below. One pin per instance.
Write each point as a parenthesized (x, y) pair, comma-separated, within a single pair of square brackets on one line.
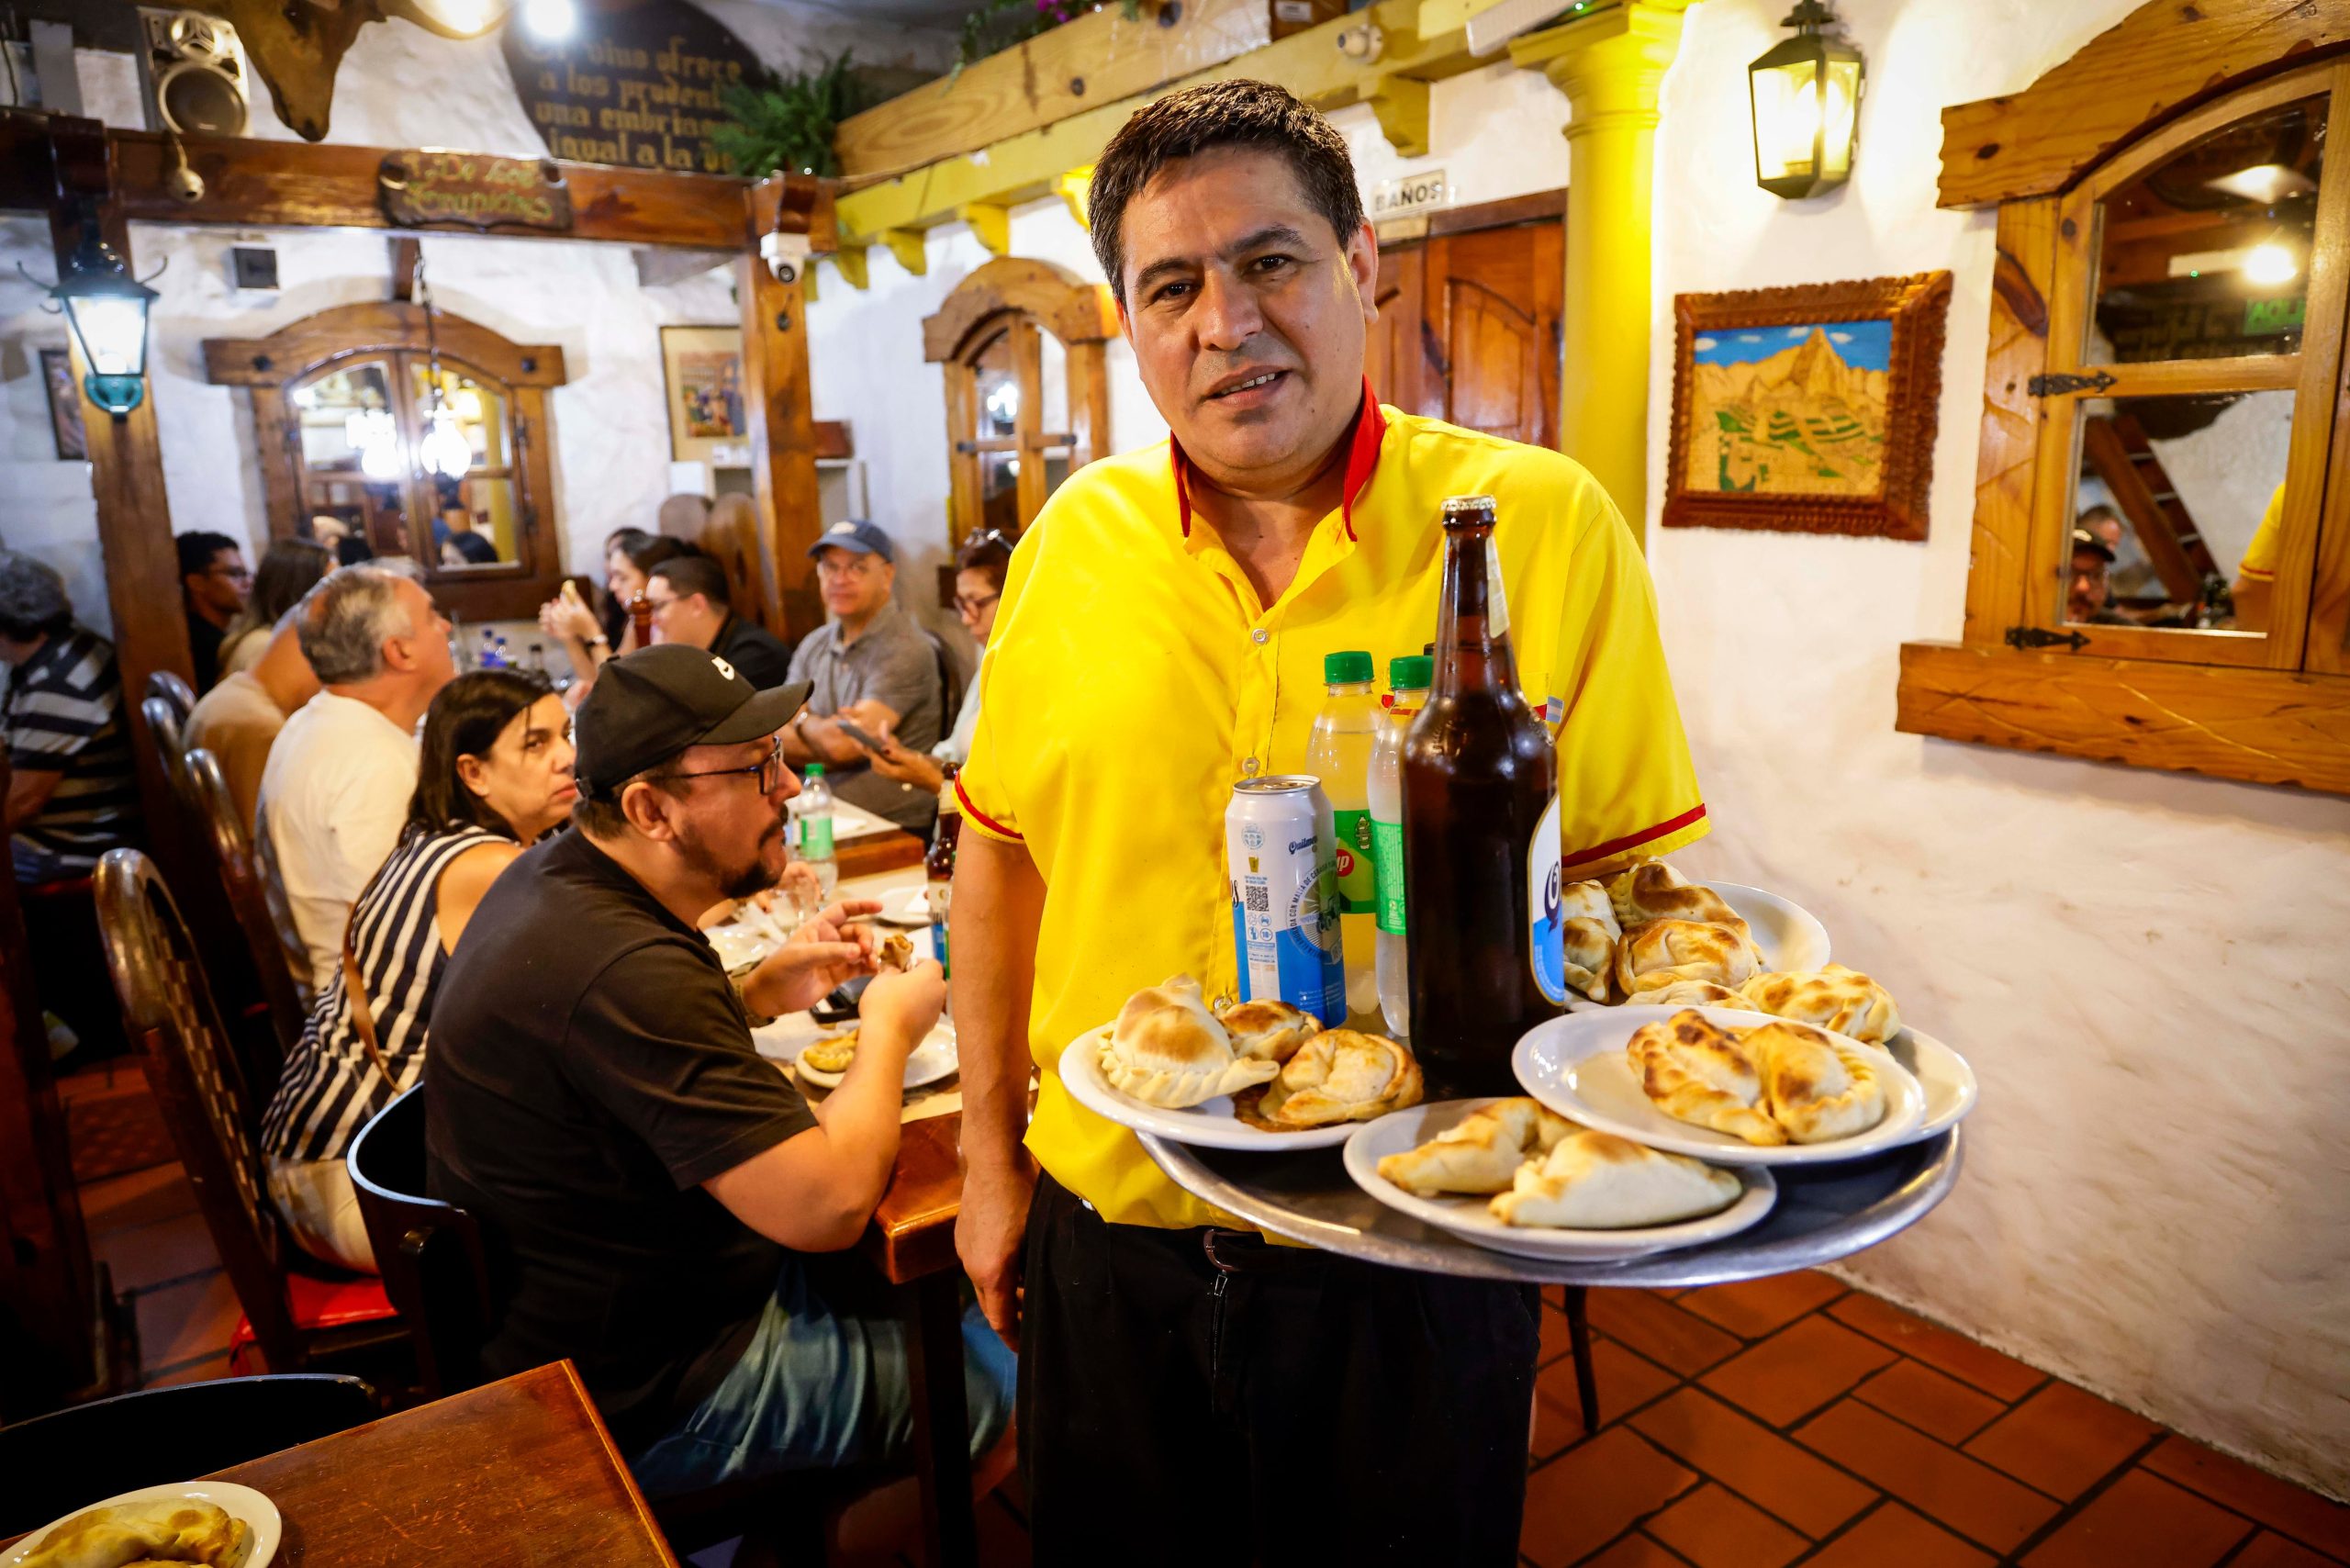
[(1259, 900)]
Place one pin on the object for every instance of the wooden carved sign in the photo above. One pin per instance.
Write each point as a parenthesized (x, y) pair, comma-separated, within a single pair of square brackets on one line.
[(431, 188), (637, 87)]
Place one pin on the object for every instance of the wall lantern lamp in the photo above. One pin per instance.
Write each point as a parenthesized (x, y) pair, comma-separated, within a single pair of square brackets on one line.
[(107, 307), (1807, 97)]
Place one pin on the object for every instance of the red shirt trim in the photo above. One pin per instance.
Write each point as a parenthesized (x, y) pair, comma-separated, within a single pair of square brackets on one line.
[(1633, 841), (981, 817), (1362, 456)]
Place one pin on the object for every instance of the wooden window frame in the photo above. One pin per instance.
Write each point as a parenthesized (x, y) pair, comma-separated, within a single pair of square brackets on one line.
[(2273, 710), (1024, 297), (393, 331)]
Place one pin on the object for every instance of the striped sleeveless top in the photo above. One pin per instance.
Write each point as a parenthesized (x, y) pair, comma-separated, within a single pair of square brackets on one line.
[(330, 1086)]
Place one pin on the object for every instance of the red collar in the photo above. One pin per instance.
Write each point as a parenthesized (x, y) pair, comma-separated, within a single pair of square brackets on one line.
[(1362, 456)]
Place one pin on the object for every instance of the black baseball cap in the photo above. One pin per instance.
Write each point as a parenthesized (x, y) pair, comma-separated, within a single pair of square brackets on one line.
[(857, 536), (2083, 540), (648, 706)]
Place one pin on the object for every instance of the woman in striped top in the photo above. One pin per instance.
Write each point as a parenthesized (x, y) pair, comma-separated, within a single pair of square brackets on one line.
[(494, 773)]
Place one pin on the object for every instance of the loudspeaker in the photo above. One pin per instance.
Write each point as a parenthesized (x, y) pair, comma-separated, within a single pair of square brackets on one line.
[(195, 74)]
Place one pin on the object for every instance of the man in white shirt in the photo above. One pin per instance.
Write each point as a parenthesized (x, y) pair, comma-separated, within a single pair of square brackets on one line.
[(336, 790)]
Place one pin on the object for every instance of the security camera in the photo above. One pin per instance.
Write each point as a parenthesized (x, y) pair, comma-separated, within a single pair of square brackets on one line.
[(784, 253)]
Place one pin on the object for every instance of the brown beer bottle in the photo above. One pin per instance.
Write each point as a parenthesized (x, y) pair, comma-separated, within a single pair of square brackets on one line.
[(1478, 776)]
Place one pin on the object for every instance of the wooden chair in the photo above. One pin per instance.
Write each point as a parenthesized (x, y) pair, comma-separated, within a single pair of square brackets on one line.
[(298, 1314), (430, 1251), (173, 690), (55, 1463), (261, 915), (167, 724)]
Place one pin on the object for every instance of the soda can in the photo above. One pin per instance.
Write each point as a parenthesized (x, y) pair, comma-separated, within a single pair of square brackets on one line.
[(1283, 855)]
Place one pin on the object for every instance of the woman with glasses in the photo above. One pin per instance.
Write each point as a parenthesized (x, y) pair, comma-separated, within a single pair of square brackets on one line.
[(979, 567), (590, 638), (495, 774), (289, 568)]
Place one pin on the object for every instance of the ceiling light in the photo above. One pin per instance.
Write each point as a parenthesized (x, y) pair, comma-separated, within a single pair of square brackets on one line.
[(2269, 265), (2265, 184), (550, 19)]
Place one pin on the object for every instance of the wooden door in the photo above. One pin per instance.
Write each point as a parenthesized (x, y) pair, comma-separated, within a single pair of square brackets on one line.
[(1467, 326)]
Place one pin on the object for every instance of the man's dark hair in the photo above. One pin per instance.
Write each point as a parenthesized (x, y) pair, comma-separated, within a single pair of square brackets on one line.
[(1219, 114), (690, 575), (197, 547)]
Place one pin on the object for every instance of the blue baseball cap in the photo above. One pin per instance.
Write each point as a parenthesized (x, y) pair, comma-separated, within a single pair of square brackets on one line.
[(857, 536)]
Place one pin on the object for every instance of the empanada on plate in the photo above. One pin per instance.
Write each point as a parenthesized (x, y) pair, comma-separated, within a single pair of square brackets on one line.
[(1656, 954), (1832, 997), (1481, 1152), (1697, 1071), (1341, 1075), (169, 1530), (1267, 1031), (1595, 1181), (1167, 1050), (1654, 891), (1694, 993), (1817, 1088)]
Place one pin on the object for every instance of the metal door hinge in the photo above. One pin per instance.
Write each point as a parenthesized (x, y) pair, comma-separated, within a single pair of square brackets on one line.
[(2040, 637), (2064, 385)]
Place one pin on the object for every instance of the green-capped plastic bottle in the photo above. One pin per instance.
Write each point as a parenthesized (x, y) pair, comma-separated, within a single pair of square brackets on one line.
[(1339, 755), (1409, 678)]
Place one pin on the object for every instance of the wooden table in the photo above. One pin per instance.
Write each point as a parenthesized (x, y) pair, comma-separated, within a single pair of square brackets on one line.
[(518, 1471)]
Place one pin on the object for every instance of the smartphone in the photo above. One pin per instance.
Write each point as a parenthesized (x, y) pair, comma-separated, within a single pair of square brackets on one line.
[(859, 736), (841, 1005)]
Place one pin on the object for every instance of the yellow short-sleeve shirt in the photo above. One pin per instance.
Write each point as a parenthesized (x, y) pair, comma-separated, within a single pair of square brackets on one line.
[(2259, 563), (1133, 678)]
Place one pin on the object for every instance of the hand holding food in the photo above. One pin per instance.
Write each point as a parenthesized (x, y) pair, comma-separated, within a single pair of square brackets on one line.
[(1339, 1075), (1167, 1050), (896, 952), (1481, 1152), (899, 1007), (1595, 1181), (165, 1530)]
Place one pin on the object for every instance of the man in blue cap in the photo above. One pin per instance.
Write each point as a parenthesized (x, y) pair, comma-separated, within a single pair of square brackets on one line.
[(871, 665)]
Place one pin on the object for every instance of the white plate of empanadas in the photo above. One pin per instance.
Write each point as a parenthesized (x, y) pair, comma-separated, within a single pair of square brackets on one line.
[(1849, 1002), (1651, 930), (1722, 1084), (200, 1521), (824, 1061), (1943, 1074), (1515, 1176)]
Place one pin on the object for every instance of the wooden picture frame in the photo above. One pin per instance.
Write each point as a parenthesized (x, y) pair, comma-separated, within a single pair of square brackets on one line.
[(64, 405), (701, 376), (1842, 377)]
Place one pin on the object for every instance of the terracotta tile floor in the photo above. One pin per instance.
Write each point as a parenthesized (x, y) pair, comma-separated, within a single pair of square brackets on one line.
[(1788, 1421)]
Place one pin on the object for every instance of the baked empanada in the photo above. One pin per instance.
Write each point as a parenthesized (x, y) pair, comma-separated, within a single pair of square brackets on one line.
[(1816, 1088), (1340, 1075), (1654, 891), (1481, 1152), (1591, 936), (1693, 993), (896, 949), (830, 1056), (1167, 1050), (1267, 1031), (168, 1529), (1834, 997), (1595, 1181), (1655, 954), (1697, 1071)]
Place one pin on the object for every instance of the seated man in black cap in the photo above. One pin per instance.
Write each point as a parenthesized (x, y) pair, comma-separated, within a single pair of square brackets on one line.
[(648, 1182), (872, 664)]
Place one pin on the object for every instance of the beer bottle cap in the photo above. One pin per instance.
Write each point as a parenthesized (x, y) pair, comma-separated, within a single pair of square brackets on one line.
[(1462, 506), (1413, 672), (1349, 668)]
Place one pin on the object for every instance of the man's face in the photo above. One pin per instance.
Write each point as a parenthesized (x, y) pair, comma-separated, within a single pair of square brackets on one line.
[(1233, 277), (427, 646), (2085, 592), (223, 585), (686, 619), (855, 582), (731, 831)]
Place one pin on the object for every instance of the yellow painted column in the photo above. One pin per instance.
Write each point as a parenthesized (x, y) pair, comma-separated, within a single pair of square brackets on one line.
[(1610, 66)]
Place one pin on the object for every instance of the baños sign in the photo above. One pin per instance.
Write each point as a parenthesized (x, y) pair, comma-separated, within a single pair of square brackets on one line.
[(427, 187), (637, 87)]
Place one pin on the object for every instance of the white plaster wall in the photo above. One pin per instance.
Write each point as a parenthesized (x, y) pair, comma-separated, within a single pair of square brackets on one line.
[(2143, 967), (46, 510)]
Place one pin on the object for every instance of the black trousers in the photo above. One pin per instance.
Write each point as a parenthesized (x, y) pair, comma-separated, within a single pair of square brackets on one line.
[(1192, 1397)]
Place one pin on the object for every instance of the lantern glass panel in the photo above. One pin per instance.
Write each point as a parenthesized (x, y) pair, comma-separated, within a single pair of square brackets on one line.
[(1787, 119), (1842, 91), (113, 329)]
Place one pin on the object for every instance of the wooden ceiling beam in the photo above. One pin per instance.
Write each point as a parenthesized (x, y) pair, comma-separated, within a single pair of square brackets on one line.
[(1029, 165)]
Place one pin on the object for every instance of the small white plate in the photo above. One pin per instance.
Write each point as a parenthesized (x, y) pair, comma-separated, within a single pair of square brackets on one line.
[(1785, 934), (1469, 1219), (1576, 1065), (933, 1060), (1210, 1125), (911, 907), (257, 1512), (1943, 1074), (739, 947)]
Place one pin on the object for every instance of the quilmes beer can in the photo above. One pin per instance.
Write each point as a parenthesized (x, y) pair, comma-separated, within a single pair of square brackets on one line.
[(1283, 855)]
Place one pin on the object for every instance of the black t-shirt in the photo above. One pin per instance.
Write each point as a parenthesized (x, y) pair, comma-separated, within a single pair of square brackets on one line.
[(764, 661), (204, 640), (590, 1067)]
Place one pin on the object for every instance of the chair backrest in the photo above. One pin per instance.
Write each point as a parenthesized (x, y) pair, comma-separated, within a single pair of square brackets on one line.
[(950, 684), (255, 898), (162, 683), (168, 725), (430, 1252), (198, 1086), (55, 1463)]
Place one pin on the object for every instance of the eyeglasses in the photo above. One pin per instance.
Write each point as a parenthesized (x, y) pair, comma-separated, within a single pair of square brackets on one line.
[(854, 567), (978, 536), (970, 606), (769, 769), (234, 574)]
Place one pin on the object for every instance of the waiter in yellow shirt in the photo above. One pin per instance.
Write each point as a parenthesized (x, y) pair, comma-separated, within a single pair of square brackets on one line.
[(1189, 1391)]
